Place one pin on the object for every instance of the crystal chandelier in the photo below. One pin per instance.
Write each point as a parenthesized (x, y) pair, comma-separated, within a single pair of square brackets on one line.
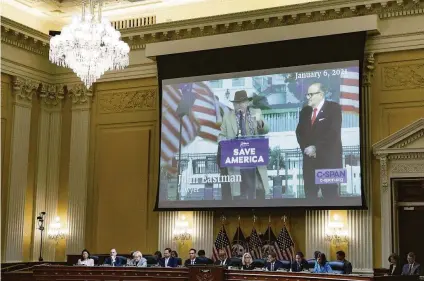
[(90, 46)]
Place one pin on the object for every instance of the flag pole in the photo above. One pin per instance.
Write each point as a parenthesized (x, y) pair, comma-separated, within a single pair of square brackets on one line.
[(222, 228), (269, 227), (179, 158), (238, 230)]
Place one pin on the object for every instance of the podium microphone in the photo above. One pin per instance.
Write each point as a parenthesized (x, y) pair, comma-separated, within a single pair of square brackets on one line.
[(240, 123)]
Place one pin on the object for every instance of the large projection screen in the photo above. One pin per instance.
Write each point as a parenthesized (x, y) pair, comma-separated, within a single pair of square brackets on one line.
[(285, 136)]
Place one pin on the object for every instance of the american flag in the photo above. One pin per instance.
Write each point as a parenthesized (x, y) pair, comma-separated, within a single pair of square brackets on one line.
[(239, 244), (221, 242), (255, 245), (269, 242), (349, 90), (285, 245), (203, 119)]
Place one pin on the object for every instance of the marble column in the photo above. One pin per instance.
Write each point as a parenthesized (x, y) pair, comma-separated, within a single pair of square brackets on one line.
[(78, 166), (203, 231), (23, 91), (48, 164), (359, 221), (166, 227), (316, 224)]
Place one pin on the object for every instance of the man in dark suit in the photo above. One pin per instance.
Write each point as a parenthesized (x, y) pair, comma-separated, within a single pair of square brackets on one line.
[(300, 264), (412, 267), (203, 259), (167, 260), (347, 266), (113, 260), (192, 260), (223, 259), (319, 136), (272, 263)]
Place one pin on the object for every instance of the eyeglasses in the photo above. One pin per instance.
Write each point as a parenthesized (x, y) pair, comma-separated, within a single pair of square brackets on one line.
[(309, 95)]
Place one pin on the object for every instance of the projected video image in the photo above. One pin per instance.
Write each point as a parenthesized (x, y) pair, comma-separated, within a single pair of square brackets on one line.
[(276, 137)]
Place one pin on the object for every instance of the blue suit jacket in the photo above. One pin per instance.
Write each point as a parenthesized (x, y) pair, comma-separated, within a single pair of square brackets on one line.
[(172, 262), (118, 261), (295, 267), (277, 265)]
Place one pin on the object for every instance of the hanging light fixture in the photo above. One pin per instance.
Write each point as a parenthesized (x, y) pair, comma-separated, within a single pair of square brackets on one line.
[(90, 45)]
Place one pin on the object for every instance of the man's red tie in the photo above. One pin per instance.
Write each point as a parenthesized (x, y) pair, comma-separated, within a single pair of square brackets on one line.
[(314, 116)]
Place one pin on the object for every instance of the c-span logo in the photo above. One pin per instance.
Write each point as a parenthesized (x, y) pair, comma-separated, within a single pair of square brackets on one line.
[(330, 176)]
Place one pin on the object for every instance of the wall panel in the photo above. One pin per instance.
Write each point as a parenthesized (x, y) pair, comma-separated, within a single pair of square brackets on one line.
[(397, 100), (6, 125), (123, 161)]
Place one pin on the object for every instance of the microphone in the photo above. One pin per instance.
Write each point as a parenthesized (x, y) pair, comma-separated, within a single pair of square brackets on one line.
[(240, 122)]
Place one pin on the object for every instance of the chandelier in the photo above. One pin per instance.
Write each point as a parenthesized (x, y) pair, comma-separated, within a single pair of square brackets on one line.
[(90, 45), (55, 231), (182, 232)]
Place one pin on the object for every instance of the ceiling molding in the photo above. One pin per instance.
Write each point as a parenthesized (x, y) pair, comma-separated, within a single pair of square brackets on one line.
[(271, 17)]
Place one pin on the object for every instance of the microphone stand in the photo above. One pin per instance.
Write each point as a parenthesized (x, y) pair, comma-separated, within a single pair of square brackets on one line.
[(40, 220)]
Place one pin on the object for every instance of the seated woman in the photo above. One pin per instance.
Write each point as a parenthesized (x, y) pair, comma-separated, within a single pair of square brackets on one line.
[(85, 258), (247, 262), (137, 260), (322, 265), (300, 264), (395, 266), (174, 254)]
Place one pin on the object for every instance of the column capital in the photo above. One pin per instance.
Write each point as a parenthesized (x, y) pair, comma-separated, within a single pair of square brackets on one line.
[(81, 96), (23, 90), (369, 67), (51, 95)]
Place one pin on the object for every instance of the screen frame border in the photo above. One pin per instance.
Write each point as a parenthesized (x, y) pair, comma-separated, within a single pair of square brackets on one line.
[(365, 148)]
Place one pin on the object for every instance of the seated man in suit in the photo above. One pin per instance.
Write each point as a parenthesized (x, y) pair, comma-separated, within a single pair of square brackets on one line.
[(113, 260), (203, 259), (347, 266), (412, 267), (222, 258), (300, 264), (167, 260), (137, 260), (192, 260), (272, 263)]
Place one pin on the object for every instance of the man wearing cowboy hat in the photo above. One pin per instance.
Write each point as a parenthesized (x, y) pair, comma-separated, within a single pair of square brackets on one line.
[(245, 121)]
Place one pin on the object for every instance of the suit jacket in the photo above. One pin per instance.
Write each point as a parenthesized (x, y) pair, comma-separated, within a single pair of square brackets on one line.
[(225, 263), (295, 267), (277, 265), (205, 260), (396, 271), (172, 262), (229, 130), (324, 134), (197, 261), (416, 269), (141, 263), (347, 267), (118, 261)]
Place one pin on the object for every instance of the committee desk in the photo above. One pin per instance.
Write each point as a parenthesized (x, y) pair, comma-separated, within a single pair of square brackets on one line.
[(196, 273)]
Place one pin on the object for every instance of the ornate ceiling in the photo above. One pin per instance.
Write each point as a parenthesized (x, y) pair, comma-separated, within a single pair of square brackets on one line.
[(164, 10)]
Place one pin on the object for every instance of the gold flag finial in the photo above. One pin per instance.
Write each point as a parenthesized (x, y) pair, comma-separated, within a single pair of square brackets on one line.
[(254, 218), (223, 218)]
